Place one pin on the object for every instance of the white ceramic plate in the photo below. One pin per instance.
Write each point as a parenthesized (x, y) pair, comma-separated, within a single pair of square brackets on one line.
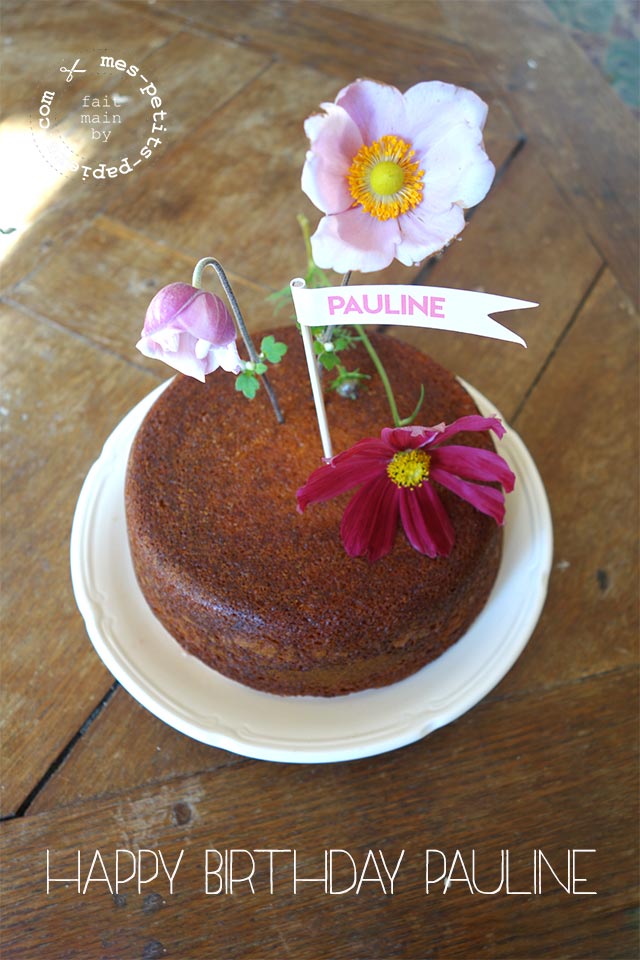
[(196, 700)]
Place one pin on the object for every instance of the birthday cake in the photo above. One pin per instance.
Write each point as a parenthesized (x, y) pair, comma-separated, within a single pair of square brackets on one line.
[(264, 594), (395, 544)]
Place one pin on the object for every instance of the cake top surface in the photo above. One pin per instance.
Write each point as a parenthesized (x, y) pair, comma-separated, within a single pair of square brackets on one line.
[(214, 479)]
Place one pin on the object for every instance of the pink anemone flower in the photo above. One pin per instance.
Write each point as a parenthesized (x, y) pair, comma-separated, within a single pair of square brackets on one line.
[(191, 330), (397, 476), (393, 172)]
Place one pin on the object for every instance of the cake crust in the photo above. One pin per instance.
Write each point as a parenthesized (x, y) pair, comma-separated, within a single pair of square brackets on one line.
[(263, 594)]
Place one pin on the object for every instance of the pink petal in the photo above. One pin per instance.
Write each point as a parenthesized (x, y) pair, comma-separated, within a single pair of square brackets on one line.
[(334, 478), (335, 140), (164, 306), (434, 107), (183, 308), (425, 232), (355, 240), (370, 520), (183, 359), (472, 424), (456, 169), (425, 521), (376, 108), (474, 464), (410, 438), (487, 500), (369, 446), (207, 318), (225, 357)]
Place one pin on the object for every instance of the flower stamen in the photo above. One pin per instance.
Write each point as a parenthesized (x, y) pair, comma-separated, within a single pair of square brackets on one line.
[(409, 468), (384, 180)]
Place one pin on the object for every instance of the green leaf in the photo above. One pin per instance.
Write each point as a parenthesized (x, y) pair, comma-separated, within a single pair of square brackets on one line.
[(248, 384), (328, 360), (409, 420), (272, 349), (260, 368), (280, 298)]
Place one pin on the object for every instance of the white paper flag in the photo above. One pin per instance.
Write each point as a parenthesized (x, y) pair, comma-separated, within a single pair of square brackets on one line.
[(439, 308)]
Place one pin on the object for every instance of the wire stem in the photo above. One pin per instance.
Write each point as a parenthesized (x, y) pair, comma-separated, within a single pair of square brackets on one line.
[(240, 324)]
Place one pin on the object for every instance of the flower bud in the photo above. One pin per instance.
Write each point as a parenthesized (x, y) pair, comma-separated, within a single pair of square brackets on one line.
[(191, 330)]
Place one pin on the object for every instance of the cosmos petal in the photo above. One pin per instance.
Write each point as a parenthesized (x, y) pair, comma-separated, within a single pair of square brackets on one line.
[(425, 522), (410, 438), (370, 520), (487, 500), (472, 423), (473, 464), (371, 517), (332, 479)]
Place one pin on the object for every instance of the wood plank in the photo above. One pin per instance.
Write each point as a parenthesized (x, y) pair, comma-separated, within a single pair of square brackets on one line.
[(422, 16), (581, 426), (588, 137), (72, 30), (514, 801), (339, 41), (119, 271), (523, 241), (104, 763), (57, 412), (195, 75)]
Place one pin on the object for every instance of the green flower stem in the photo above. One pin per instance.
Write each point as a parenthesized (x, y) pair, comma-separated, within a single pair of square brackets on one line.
[(397, 420), (248, 342), (306, 233), (382, 372)]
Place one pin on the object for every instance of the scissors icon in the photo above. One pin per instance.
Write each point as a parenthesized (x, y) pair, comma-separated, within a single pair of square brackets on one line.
[(71, 71)]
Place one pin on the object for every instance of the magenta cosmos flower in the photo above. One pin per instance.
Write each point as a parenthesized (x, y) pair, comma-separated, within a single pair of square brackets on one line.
[(393, 172), (397, 476), (191, 330)]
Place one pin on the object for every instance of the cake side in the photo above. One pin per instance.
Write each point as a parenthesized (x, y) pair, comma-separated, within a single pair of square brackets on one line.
[(265, 595)]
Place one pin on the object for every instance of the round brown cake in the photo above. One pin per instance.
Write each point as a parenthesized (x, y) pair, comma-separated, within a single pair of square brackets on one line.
[(268, 596)]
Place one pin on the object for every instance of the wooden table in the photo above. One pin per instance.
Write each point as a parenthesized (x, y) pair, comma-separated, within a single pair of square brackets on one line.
[(548, 760)]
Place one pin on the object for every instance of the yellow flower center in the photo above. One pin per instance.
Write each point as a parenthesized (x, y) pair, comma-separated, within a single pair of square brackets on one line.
[(384, 180), (409, 468)]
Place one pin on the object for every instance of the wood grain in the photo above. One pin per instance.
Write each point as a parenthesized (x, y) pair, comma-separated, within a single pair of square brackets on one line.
[(588, 136), (126, 269), (110, 761), (51, 677), (489, 782), (522, 241), (340, 41), (590, 621), (195, 75)]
